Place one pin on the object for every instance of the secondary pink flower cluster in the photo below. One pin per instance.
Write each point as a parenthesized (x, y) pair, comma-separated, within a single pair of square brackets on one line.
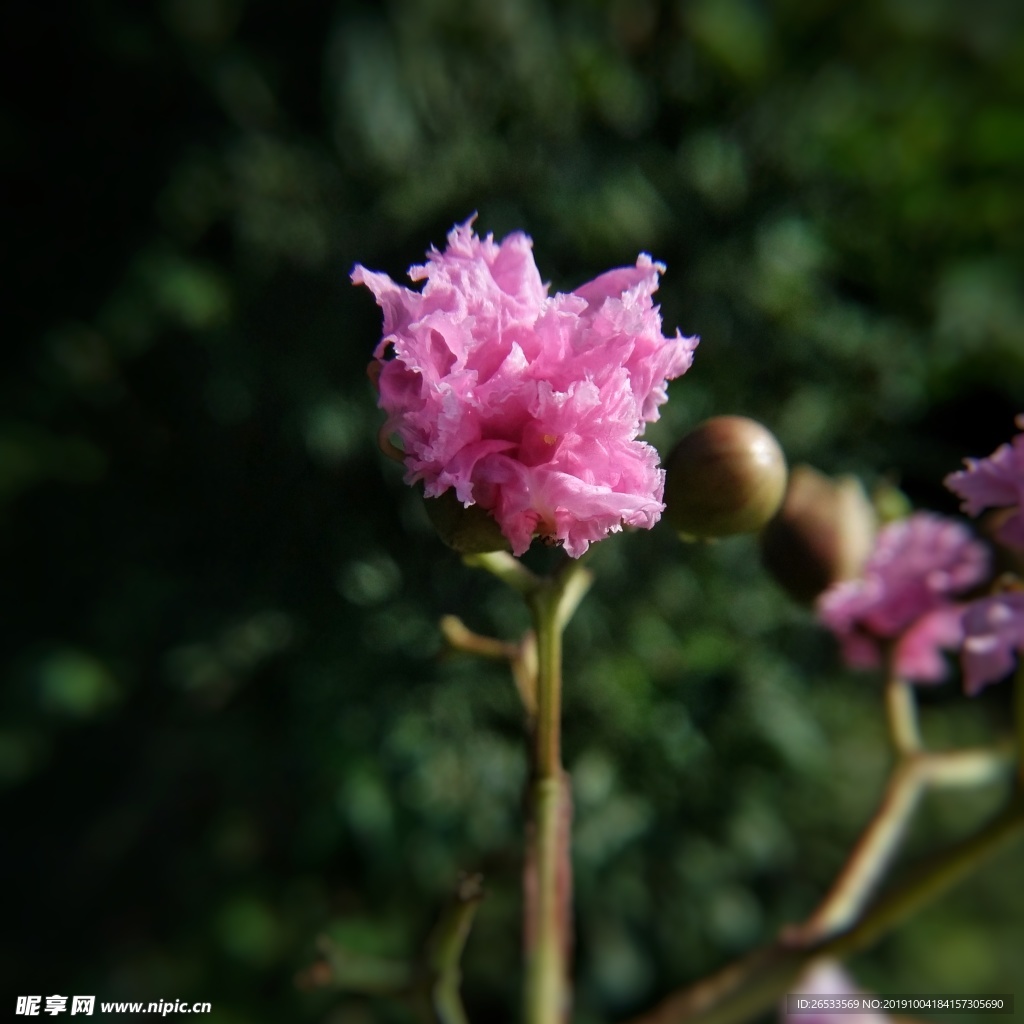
[(994, 626), (905, 596), (527, 404)]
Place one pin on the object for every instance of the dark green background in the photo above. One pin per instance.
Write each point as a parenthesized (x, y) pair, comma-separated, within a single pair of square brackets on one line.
[(227, 724)]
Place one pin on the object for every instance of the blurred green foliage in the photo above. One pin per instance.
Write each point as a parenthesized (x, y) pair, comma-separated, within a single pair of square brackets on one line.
[(228, 723)]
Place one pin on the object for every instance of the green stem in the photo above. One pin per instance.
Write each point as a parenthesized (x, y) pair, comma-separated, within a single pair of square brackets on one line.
[(547, 884), (537, 669), (869, 859), (878, 844), (547, 745), (880, 841), (445, 953), (548, 871), (939, 874), (507, 568), (901, 709), (548, 910), (960, 769)]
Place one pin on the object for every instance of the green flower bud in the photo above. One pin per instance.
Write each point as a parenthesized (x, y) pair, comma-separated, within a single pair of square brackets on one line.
[(470, 531), (727, 476), (823, 533)]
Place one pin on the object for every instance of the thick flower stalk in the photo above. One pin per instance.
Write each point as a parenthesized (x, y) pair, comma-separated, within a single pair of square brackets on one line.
[(996, 482), (904, 599), (528, 405)]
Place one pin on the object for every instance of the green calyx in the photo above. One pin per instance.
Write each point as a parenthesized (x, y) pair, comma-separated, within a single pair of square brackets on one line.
[(470, 530)]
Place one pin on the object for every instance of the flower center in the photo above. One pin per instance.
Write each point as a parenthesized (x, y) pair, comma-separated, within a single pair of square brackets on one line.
[(537, 445)]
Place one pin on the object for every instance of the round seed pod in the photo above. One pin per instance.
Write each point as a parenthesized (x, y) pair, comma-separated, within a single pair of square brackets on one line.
[(822, 534), (727, 476)]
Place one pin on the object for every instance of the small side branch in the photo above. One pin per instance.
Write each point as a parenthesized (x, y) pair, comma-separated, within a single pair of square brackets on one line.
[(753, 984), (869, 859), (436, 976), (444, 956)]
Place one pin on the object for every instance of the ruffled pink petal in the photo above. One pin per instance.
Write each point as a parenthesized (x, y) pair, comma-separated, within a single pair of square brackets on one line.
[(906, 595), (400, 305), (614, 284), (993, 638), (995, 482), (1011, 532), (625, 318), (527, 404), (919, 650)]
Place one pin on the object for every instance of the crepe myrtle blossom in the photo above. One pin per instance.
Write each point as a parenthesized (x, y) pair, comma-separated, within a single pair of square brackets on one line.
[(527, 404), (993, 635), (826, 994), (996, 482), (904, 596)]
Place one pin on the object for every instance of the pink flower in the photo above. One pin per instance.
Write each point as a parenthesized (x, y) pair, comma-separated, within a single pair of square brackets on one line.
[(834, 990), (996, 482), (529, 405), (993, 633), (903, 596)]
